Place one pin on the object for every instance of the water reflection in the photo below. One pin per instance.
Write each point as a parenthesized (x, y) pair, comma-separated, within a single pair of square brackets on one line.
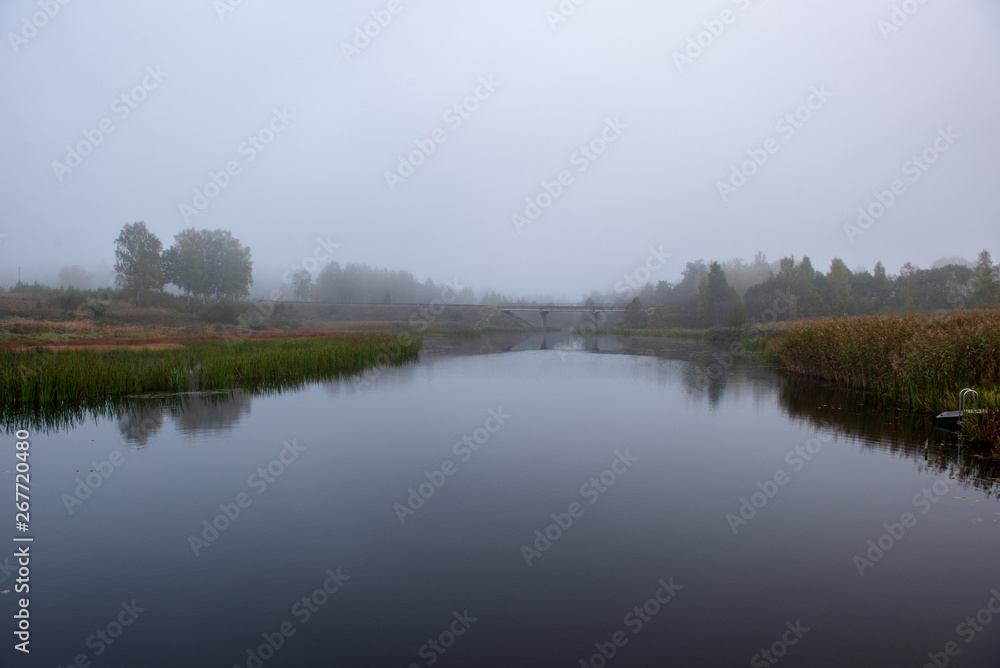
[(875, 425), (708, 372), (214, 412), (879, 426), (137, 426)]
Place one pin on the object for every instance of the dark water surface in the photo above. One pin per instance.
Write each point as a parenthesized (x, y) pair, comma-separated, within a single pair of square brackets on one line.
[(580, 502)]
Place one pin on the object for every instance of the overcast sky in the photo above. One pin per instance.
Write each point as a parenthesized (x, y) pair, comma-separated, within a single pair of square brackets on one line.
[(184, 85)]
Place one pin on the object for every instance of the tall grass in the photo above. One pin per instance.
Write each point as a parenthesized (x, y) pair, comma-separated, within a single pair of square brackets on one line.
[(36, 377), (920, 361)]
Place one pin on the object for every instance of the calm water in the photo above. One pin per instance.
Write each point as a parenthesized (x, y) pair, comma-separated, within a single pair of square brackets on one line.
[(644, 500)]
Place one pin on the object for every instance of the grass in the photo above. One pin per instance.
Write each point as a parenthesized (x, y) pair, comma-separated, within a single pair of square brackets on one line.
[(39, 377), (919, 361)]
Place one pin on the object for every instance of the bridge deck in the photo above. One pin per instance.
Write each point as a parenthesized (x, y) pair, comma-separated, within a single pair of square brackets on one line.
[(579, 309)]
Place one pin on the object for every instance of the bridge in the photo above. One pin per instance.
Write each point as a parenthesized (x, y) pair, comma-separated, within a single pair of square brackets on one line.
[(543, 311)]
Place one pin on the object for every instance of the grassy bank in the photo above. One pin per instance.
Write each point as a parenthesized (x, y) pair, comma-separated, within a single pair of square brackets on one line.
[(39, 376), (919, 361)]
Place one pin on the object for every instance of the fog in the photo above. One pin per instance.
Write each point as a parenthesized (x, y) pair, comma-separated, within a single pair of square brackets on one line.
[(699, 130)]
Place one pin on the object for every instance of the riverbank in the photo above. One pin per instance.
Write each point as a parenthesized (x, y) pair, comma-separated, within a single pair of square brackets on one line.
[(919, 361), (96, 370), (26, 320)]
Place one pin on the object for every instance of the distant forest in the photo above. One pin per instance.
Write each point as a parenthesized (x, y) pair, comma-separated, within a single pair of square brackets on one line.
[(212, 265), (735, 293)]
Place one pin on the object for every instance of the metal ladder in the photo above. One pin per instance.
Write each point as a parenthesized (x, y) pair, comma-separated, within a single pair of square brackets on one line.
[(961, 399)]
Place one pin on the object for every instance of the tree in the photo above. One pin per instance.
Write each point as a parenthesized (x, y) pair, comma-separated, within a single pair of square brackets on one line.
[(742, 276), (661, 295), (685, 293), (138, 266), (184, 262), (229, 265), (882, 287), (209, 263), (839, 287), (907, 286), (75, 277), (302, 285), (327, 283), (634, 315), (715, 297), (809, 302), (987, 281)]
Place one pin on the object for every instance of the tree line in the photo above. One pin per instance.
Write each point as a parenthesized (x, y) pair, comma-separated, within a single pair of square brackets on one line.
[(214, 265), (736, 293), (362, 284)]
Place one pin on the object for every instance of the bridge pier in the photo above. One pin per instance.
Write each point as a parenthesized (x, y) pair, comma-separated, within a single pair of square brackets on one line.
[(545, 318)]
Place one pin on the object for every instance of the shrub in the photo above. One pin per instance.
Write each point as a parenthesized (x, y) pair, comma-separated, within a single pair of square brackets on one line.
[(222, 313), (68, 300)]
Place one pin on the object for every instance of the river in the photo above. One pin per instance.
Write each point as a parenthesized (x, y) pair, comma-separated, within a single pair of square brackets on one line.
[(612, 502)]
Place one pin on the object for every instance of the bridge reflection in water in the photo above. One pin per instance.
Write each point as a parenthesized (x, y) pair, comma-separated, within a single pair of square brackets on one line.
[(543, 311)]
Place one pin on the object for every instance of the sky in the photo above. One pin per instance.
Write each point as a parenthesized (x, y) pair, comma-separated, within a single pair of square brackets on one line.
[(531, 147)]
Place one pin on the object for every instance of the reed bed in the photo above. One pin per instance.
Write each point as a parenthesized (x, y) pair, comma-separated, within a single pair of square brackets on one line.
[(919, 361), (41, 377)]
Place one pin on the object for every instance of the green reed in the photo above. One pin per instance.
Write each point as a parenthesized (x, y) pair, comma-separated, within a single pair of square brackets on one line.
[(39, 377)]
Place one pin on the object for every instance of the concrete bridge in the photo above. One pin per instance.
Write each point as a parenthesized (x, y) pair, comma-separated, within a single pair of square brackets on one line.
[(543, 311)]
